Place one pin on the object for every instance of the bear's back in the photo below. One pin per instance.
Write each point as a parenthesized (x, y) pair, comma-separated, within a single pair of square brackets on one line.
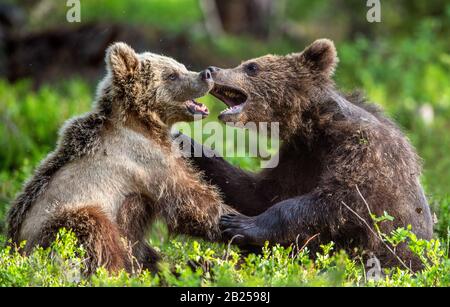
[(123, 162)]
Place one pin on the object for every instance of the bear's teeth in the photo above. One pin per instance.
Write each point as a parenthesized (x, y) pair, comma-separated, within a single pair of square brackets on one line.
[(233, 110), (231, 94)]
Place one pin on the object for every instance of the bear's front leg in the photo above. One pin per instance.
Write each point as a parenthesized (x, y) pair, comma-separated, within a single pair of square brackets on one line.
[(290, 221), (243, 230), (240, 189)]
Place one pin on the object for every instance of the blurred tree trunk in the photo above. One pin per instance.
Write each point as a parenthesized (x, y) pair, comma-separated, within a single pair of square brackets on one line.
[(254, 17)]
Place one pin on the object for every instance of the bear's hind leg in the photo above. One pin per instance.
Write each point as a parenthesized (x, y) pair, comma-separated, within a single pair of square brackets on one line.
[(99, 237), (134, 220)]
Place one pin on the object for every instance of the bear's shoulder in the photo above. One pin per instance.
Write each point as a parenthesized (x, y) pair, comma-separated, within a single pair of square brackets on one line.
[(81, 135)]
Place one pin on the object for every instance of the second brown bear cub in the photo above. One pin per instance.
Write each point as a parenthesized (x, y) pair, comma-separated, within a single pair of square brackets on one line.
[(341, 160), (114, 169)]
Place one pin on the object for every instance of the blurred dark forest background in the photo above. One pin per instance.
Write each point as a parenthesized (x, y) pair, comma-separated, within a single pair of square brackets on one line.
[(49, 67)]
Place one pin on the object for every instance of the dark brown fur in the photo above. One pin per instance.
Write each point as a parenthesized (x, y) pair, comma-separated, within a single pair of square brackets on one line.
[(332, 145)]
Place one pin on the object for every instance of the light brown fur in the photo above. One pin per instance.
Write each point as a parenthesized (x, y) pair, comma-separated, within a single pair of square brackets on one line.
[(115, 168)]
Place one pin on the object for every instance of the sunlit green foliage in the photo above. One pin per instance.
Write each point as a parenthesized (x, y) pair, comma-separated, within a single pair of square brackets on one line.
[(207, 264), (404, 71)]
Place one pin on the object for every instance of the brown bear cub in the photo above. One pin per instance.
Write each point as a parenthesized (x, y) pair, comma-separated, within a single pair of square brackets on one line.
[(115, 169), (338, 154)]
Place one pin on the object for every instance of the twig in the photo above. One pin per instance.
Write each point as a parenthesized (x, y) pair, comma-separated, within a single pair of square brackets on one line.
[(295, 254), (377, 236), (295, 250), (307, 241), (229, 245), (364, 200)]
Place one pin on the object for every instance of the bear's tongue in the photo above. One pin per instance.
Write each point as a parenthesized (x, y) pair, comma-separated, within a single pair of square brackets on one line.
[(196, 108)]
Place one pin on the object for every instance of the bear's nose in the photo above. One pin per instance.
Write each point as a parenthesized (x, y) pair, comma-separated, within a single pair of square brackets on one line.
[(205, 75), (213, 69)]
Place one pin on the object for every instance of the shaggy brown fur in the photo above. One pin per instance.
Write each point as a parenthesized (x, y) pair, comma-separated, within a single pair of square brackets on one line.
[(134, 219), (95, 232), (115, 168), (332, 145)]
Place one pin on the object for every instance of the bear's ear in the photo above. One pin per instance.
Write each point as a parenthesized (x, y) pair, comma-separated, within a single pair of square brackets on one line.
[(121, 60), (320, 56)]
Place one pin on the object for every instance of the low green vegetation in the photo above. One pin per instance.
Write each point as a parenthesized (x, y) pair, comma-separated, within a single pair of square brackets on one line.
[(407, 75), (31, 119), (207, 264)]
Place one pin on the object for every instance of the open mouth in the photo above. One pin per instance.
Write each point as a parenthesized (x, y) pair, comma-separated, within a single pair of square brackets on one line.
[(196, 108), (234, 98)]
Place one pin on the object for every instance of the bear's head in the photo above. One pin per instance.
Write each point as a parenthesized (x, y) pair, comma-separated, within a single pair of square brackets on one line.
[(146, 84), (276, 88)]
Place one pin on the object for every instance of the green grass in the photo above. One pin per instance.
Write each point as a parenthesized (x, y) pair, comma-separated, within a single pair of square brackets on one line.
[(400, 74), (30, 121), (209, 264)]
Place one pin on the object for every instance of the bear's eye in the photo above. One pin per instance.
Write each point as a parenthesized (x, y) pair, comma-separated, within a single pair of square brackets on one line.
[(251, 69), (172, 77)]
